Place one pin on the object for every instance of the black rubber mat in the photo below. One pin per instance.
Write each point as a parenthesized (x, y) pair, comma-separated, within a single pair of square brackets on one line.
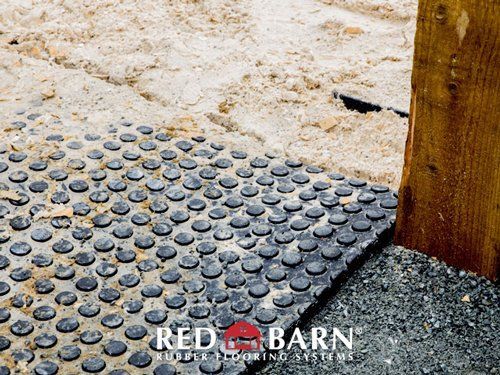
[(106, 237)]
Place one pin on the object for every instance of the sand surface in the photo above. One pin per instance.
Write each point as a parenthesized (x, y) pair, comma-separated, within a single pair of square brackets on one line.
[(257, 73)]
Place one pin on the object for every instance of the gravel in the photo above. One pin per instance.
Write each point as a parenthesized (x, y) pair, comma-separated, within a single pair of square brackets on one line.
[(410, 315)]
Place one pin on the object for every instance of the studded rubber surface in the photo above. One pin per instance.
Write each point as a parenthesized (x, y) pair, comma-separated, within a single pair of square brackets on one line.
[(104, 238)]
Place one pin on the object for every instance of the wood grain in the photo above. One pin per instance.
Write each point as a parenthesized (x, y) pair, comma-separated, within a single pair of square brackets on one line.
[(449, 199)]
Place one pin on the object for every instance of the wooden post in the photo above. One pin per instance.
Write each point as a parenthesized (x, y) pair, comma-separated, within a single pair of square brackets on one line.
[(449, 199)]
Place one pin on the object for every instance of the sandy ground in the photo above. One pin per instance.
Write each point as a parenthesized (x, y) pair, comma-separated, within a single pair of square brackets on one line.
[(254, 72)]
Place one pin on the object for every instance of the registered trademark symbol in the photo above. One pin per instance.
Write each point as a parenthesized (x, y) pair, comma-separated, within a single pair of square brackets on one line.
[(358, 330)]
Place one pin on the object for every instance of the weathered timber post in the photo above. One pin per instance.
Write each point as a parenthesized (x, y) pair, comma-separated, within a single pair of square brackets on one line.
[(449, 199)]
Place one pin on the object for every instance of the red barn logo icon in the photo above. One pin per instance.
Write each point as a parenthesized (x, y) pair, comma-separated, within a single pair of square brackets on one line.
[(242, 336)]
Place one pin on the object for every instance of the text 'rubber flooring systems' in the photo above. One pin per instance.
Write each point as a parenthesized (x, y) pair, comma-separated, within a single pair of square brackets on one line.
[(106, 237)]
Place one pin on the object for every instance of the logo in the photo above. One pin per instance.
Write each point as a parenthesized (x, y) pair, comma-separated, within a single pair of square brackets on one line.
[(243, 340), (242, 336)]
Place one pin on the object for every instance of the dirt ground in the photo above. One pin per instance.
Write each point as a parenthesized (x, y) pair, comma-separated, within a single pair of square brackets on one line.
[(258, 73)]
